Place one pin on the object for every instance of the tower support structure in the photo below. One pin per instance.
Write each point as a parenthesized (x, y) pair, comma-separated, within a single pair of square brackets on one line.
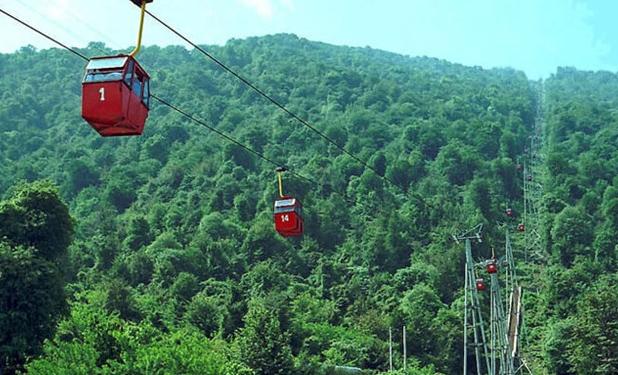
[(473, 318)]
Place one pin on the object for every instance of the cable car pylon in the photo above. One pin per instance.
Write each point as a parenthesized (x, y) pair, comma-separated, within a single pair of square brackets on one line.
[(514, 300), (472, 313), (514, 321), (534, 242), (533, 175)]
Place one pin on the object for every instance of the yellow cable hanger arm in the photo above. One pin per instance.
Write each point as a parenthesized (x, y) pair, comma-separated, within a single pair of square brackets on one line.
[(280, 184), (141, 29)]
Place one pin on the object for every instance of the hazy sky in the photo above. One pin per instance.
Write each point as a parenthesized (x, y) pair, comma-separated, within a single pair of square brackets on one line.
[(532, 35)]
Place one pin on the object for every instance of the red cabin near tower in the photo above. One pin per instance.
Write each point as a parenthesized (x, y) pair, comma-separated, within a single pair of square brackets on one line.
[(492, 267), (288, 216), (115, 96), (480, 285)]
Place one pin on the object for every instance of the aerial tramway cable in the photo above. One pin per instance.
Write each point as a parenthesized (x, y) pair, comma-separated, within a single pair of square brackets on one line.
[(45, 35), (269, 98), (283, 108)]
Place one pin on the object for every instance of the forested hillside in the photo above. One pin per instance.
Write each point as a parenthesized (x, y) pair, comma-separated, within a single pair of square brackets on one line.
[(174, 265), (577, 310)]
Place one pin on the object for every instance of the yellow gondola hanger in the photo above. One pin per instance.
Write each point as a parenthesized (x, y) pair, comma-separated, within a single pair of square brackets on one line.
[(280, 171), (141, 29)]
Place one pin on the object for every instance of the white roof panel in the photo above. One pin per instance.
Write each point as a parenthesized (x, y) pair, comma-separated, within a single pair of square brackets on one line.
[(285, 202), (107, 62)]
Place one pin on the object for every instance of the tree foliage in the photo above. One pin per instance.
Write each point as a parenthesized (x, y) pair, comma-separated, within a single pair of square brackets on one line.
[(35, 231)]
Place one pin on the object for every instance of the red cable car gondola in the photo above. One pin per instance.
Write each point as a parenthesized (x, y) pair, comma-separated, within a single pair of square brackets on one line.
[(115, 95), (480, 285), (288, 217), (492, 267), (509, 212), (521, 227), (116, 91), (287, 212)]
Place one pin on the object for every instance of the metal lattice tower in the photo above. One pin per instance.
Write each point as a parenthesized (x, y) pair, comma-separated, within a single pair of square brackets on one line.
[(534, 239), (514, 322), (472, 314), (534, 165), (513, 301), (505, 296)]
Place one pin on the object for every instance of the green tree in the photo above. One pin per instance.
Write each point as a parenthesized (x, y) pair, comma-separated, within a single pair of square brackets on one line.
[(35, 232), (138, 233), (35, 216), (571, 235), (457, 162), (31, 302), (592, 347), (419, 306), (261, 343), (81, 174), (185, 287), (205, 313), (556, 344)]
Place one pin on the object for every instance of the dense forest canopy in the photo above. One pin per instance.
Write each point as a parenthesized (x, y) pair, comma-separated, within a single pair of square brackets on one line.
[(157, 254)]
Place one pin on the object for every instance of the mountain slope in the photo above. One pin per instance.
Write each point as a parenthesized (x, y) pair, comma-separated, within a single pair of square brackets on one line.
[(174, 231)]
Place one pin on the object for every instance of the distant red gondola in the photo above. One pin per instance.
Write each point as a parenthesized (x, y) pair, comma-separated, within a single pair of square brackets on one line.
[(480, 285), (521, 227), (115, 96), (288, 217), (492, 267), (509, 212)]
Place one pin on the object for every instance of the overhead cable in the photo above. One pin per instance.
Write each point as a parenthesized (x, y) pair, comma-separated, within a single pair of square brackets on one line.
[(269, 97)]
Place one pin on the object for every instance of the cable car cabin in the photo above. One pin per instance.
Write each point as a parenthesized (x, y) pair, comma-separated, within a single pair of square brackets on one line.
[(521, 227), (492, 267), (509, 212), (115, 96), (529, 177), (480, 285), (288, 217)]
